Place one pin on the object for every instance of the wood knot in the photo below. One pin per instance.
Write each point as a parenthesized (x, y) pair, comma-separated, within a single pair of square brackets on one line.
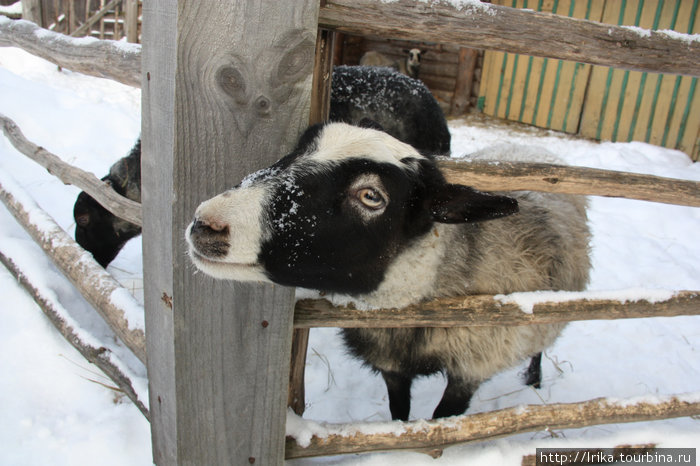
[(262, 106), (232, 82), (551, 180)]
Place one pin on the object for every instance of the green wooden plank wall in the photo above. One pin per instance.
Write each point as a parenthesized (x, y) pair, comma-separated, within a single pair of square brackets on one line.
[(594, 101)]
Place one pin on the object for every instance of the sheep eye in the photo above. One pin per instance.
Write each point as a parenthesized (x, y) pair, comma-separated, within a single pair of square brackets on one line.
[(371, 198)]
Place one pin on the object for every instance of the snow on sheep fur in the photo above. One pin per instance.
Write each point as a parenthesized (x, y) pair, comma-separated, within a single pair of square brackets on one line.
[(404, 107), (366, 218)]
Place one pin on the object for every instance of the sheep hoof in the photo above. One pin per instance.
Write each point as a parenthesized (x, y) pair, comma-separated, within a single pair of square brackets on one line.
[(533, 375)]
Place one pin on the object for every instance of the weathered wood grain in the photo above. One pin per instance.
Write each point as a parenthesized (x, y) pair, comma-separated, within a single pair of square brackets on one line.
[(517, 176), (494, 27), (226, 92), (485, 310), (421, 435)]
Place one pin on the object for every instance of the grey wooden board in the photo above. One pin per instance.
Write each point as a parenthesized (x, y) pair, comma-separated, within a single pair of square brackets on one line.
[(226, 91)]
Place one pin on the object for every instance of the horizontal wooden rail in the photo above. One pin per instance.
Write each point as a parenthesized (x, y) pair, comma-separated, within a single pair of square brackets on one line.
[(118, 61), (488, 176), (98, 189), (432, 435), (100, 356), (485, 26), (487, 310), (494, 27), (520, 176), (97, 286)]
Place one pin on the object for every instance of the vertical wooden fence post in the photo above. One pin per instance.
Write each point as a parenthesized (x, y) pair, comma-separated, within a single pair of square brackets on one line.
[(320, 107), (32, 11), (131, 20), (226, 90)]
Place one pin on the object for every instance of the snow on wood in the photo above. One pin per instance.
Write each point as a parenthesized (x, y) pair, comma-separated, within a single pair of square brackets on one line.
[(517, 176), (97, 354), (120, 61), (506, 29), (516, 309), (305, 439), (94, 283)]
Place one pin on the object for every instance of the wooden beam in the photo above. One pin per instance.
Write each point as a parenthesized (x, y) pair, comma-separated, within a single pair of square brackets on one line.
[(422, 435), (101, 58), (464, 81), (99, 356), (320, 107), (517, 176), (494, 27), (487, 310), (484, 26), (131, 21), (32, 11), (226, 92), (95, 187), (85, 28)]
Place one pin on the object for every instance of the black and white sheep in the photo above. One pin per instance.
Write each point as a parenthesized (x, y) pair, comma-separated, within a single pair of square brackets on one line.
[(358, 214), (404, 107), (409, 65)]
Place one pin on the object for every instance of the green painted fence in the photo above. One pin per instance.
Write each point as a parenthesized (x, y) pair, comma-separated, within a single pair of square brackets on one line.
[(595, 101)]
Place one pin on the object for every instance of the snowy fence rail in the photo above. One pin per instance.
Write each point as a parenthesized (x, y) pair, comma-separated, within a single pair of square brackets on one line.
[(95, 353), (98, 189), (489, 27), (525, 308), (98, 287), (488, 176), (118, 61), (314, 439), (494, 27)]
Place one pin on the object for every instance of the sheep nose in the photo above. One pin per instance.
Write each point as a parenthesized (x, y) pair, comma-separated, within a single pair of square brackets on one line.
[(213, 225), (210, 238)]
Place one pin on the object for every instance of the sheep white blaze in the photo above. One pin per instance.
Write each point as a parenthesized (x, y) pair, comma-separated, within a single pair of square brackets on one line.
[(225, 239)]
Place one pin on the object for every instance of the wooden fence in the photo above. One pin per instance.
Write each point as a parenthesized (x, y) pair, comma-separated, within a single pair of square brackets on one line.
[(598, 102), (218, 353), (103, 19)]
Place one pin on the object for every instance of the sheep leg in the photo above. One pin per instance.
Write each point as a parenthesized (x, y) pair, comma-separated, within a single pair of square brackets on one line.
[(533, 376), (399, 389), (455, 400)]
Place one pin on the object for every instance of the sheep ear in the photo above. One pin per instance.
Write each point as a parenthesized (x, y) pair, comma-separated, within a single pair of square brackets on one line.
[(455, 203)]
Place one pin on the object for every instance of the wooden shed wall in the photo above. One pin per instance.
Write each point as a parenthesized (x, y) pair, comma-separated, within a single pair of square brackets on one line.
[(594, 101)]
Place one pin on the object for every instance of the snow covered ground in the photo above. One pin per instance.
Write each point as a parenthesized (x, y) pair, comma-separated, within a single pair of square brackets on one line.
[(58, 410)]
